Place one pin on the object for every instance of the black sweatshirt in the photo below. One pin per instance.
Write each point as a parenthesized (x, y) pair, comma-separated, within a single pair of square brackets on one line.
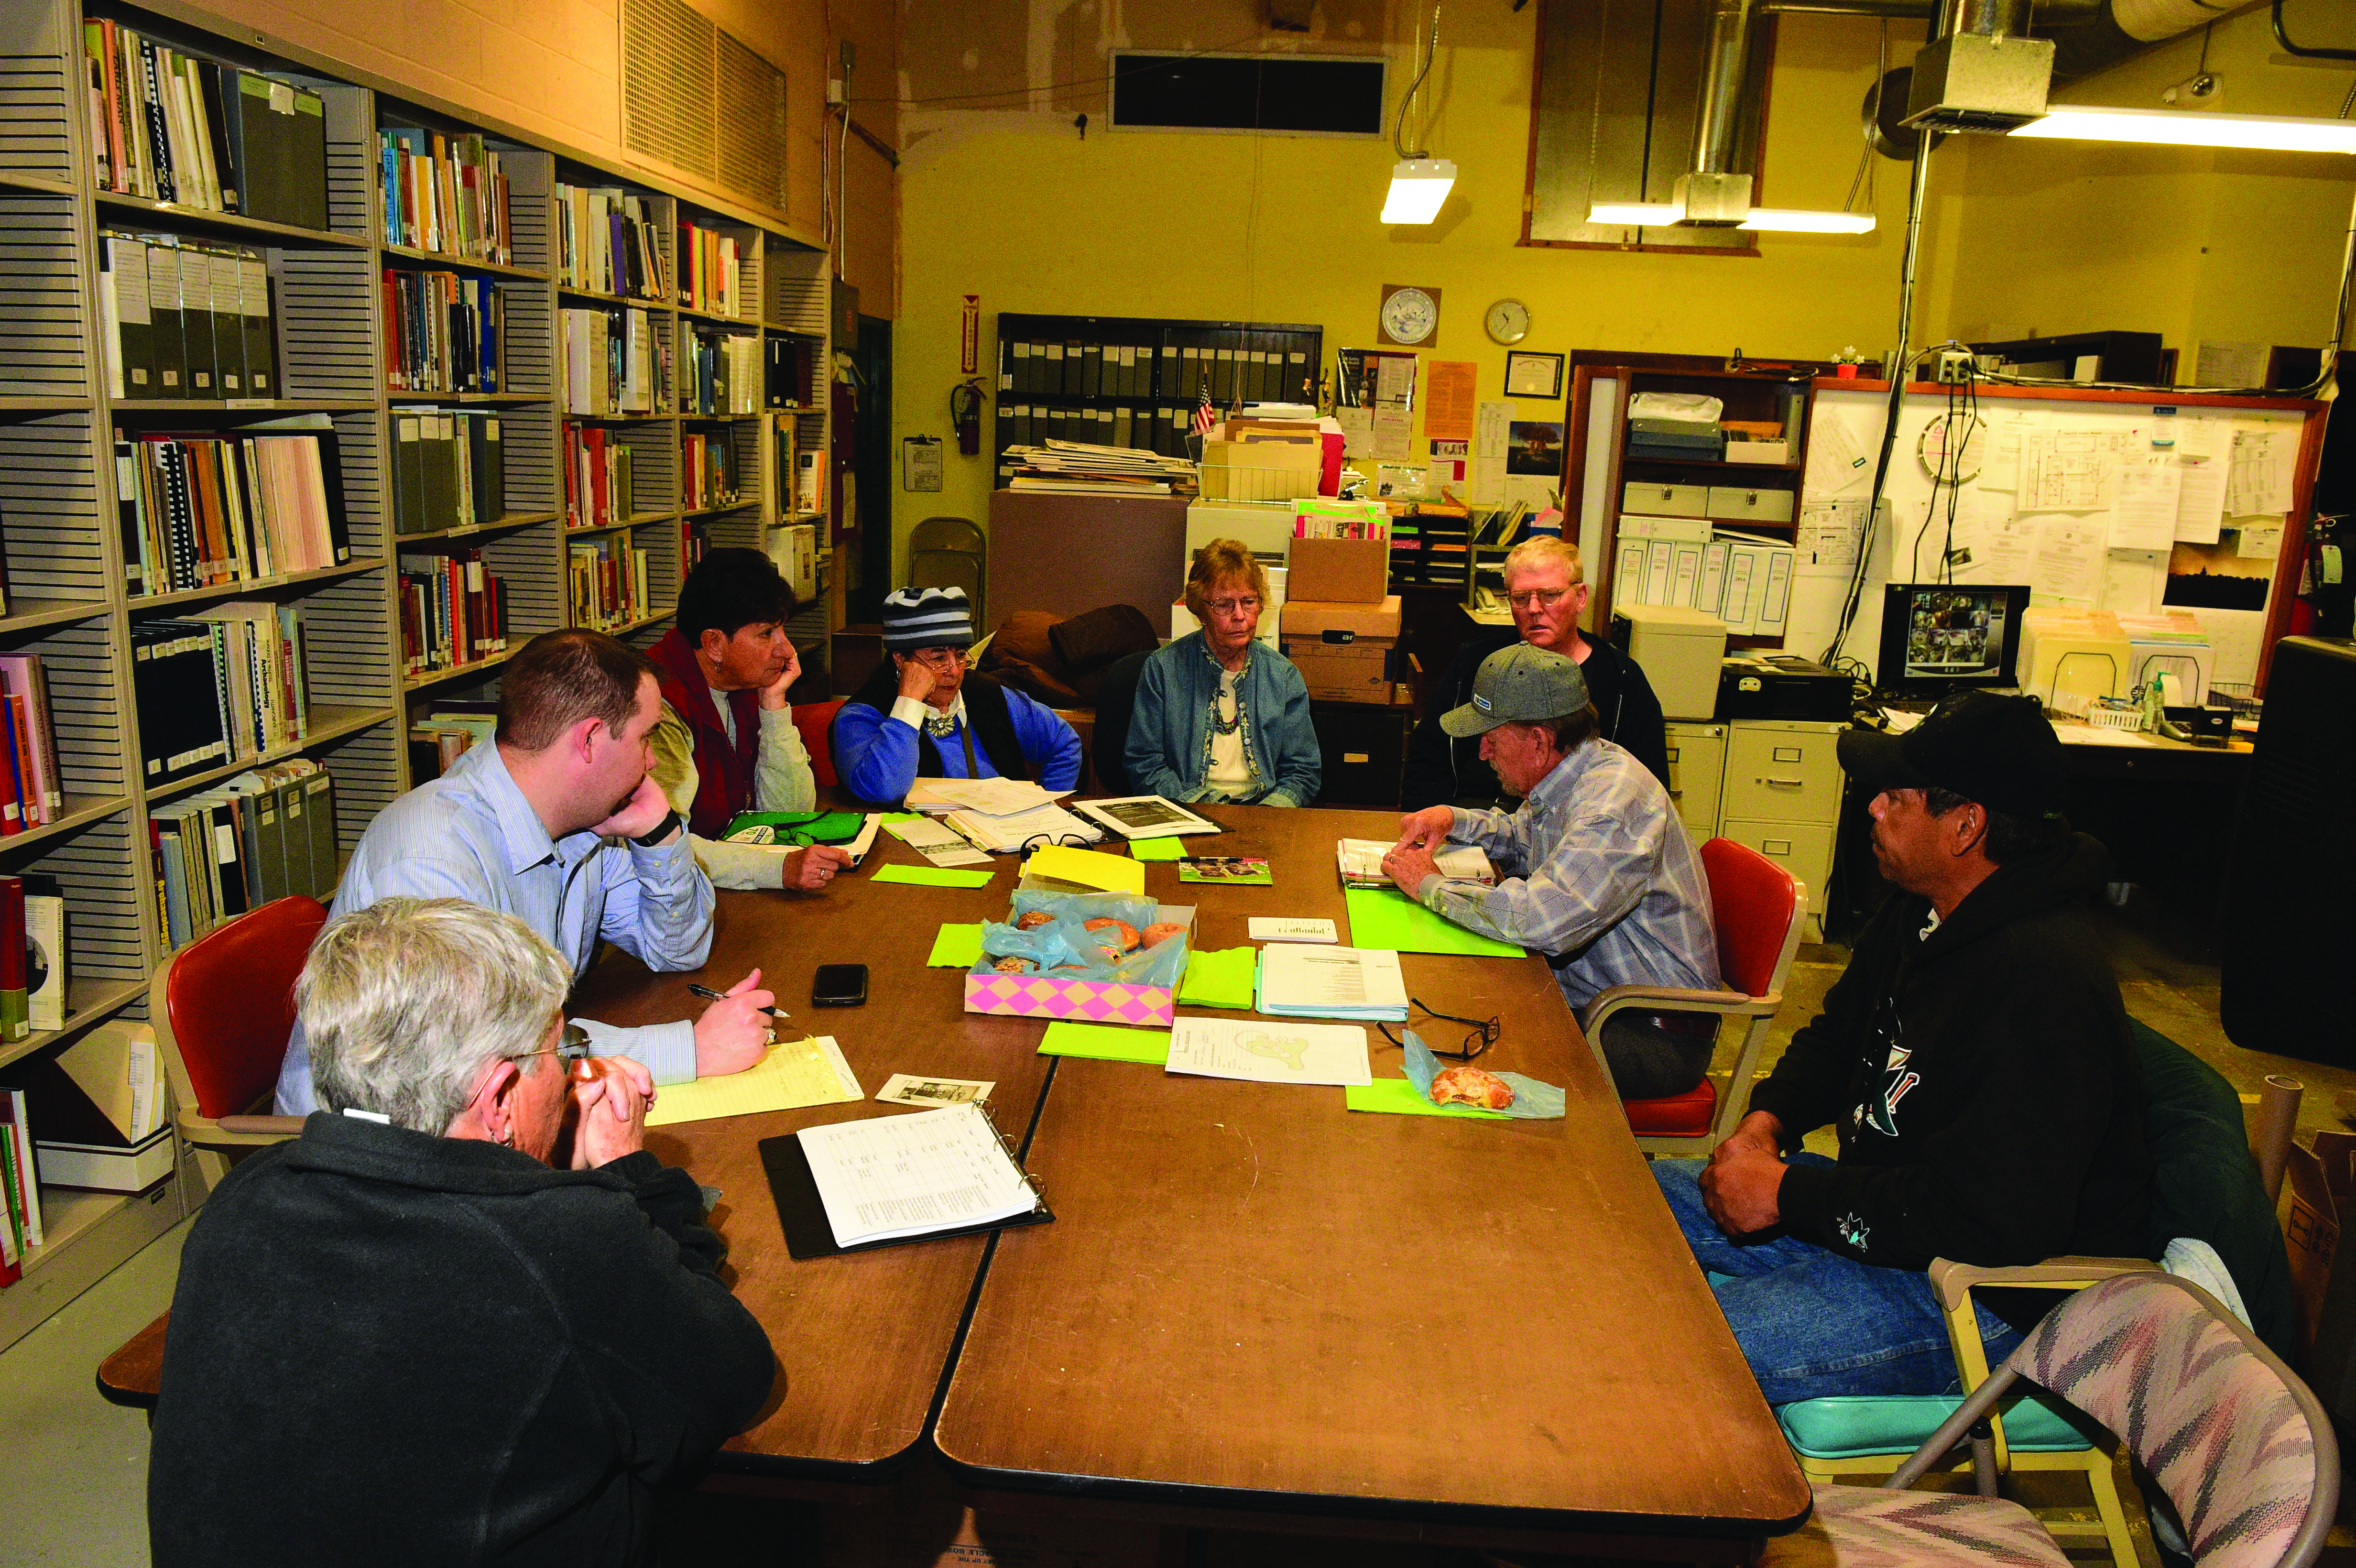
[(1982, 1079), (1440, 772), (393, 1349)]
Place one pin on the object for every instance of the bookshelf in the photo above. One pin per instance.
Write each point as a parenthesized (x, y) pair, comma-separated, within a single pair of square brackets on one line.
[(62, 565)]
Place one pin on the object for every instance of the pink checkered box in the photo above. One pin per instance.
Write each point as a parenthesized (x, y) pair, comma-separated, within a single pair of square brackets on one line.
[(1054, 996)]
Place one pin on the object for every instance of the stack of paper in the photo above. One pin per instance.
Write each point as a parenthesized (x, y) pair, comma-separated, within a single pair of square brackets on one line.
[(994, 797), (937, 843), (1300, 981), (1073, 467), (1361, 861), (1270, 1052)]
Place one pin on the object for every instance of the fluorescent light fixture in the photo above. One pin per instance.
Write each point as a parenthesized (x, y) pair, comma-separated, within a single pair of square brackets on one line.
[(1418, 187), (2266, 132), (1789, 220), (1636, 214)]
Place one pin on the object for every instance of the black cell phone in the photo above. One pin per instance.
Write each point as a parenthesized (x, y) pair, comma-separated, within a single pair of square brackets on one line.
[(838, 986)]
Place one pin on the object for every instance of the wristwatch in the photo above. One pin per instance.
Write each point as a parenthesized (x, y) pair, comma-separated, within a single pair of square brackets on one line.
[(652, 838)]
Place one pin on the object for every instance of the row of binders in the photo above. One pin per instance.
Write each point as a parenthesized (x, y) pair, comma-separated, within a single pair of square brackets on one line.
[(1744, 580), (442, 332), (722, 371), (449, 469), (222, 686), (600, 477), (204, 510), (607, 579), (706, 468), (31, 792), (615, 363), (269, 833), (606, 243), (453, 612), (711, 271), (1179, 364), (186, 318), (443, 194), (179, 128), (1167, 431)]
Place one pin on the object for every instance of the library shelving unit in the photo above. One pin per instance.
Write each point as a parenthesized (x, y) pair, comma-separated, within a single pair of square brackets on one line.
[(68, 598)]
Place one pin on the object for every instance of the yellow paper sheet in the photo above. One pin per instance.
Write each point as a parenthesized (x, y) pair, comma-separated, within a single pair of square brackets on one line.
[(1089, 867), (796, 1072)]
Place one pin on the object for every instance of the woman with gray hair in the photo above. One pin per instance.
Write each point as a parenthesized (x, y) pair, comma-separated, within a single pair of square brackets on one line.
[(405, 1337)]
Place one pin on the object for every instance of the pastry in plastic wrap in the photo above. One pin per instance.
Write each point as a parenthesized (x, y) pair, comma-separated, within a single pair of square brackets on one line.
[(1014, 965), (1033, 921), (1116, 934), (1154, 935), (1467, 1084)]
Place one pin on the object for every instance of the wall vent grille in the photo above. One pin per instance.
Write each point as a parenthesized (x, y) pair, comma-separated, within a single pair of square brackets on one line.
[(703, 103)]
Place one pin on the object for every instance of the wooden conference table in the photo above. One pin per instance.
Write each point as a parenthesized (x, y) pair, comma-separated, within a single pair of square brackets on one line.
[(1252, 1301)]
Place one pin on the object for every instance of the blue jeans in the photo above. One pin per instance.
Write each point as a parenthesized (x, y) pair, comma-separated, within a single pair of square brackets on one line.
[(1813, 1323)]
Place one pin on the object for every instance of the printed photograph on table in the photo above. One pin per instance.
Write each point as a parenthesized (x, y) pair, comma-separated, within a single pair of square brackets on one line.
[(1144, 816), (1231, 869), (1534, 448), (1534, 374)]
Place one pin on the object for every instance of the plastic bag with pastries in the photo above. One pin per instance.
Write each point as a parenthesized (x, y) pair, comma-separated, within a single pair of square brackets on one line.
[(1533, 1101)]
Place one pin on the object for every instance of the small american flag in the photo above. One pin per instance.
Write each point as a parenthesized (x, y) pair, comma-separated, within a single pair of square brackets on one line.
[(1204, 417)]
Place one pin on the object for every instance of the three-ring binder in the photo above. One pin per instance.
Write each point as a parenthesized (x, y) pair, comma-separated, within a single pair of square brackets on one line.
[(801, 1212)]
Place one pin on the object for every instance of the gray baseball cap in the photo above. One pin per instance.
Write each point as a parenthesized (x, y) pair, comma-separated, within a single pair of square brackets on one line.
[(1519, 683)]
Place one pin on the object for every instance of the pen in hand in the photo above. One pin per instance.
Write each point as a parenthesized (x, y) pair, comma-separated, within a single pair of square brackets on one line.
[(710, 995)]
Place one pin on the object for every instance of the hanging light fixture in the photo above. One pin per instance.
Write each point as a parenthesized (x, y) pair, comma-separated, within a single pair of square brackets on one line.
[(1419, 182), (2177, 128)]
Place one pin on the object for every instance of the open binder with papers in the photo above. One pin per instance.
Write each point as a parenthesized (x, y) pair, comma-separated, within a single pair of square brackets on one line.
[(853, 1185)]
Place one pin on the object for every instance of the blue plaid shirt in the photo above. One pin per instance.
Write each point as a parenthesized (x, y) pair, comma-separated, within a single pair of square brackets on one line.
[(1595, 866)]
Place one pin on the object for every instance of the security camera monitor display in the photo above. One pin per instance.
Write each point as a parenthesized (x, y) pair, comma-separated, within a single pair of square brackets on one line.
[(1938, 637)]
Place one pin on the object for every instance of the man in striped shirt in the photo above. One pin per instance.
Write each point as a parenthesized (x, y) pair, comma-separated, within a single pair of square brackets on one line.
[(1599, 876)]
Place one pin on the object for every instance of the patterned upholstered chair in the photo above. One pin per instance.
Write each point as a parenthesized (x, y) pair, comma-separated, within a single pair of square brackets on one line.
[(2239, 1446)]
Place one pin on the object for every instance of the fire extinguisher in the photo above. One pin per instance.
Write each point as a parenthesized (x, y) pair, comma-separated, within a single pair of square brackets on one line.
[(965, 412)]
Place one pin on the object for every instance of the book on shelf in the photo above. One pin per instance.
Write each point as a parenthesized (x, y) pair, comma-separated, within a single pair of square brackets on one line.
[(599, 477), (610, 362), (95, 1110), (269, 833), (31, 791), (443, 194), (607, 243), (607, 579), (720, 371), (453, 612), (449, 469), (198, 510), (693, 540), (47, 961), (218, 687), (185, 318), (788, 372), (710, 272), (16, 1021), (794, 547), (443, 736), (193, 132), (707, 468), (443, 332), (20, 1188)]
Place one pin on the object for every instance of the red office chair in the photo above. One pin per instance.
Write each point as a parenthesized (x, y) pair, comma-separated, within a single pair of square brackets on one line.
[(1757, 908), (226, 1008), (814, 719)]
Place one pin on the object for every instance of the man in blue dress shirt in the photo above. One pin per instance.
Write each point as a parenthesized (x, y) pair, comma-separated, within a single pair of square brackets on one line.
[(923, 715), (559, 824)]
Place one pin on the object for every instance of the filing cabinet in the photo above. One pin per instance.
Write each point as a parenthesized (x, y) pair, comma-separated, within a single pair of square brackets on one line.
[(1781, 794), (1697, 762)]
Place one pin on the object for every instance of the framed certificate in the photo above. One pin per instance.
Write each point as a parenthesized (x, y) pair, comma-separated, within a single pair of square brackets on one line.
[(1532, 375)]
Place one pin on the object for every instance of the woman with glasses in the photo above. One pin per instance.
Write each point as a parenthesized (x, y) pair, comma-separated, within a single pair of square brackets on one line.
[(1220, 719), (922, 714), (419, 1333)]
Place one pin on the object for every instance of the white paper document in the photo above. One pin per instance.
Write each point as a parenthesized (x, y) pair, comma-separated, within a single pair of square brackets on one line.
[(1360, 861), (2257, 482), (2065, 471), (1301, 981), (1291, 928), (1489, 435), (1270, 1052), (2143, 508), (942, 846), (1829, 538), (2069, 561), (909, 1176), (1005, 835), (992, 797)]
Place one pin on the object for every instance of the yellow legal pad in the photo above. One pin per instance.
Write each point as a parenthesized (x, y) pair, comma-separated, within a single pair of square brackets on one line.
[(796, 1072)]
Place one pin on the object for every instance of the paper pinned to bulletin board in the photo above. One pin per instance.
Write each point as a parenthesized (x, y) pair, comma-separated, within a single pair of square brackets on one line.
[(1448, 401)]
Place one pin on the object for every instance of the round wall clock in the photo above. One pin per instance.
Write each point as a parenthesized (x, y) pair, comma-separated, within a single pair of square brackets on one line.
[(1508, 321), (1411, 316)]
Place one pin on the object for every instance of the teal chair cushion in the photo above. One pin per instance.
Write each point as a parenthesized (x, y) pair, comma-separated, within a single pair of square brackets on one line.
[(1857, 1426)]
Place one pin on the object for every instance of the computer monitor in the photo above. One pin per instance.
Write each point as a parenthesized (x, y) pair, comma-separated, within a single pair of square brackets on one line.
[(1938, 637)]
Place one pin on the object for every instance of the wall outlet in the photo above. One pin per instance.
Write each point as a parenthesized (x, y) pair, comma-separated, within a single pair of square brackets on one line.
[(1956, 367)]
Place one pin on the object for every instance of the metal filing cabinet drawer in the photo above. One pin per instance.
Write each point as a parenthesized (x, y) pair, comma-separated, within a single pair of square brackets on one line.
[(1697, 759), (1736, 503), (1783, 771), (1802, 848), (1665, 500)]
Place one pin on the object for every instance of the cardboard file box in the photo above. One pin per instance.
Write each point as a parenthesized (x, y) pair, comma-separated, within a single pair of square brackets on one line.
[(1341, 571), (109, 1167), (1346, 653), (1262, 470)]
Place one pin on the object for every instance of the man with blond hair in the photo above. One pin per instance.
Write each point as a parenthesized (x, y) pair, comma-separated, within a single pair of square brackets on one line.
[(1546, 588)]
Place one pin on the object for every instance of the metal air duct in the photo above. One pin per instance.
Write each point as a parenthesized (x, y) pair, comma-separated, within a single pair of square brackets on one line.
[(1983, 73), (1711, 195)]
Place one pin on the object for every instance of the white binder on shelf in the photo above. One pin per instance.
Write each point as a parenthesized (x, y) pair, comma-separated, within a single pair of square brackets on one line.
[(1628, 579), (1710, 593)]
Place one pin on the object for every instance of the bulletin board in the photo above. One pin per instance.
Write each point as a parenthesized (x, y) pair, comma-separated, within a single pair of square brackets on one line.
[(2102, 499)]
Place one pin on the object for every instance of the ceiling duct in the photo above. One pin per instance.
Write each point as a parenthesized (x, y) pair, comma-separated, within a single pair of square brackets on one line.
[(1983, 73), (1710, 194)]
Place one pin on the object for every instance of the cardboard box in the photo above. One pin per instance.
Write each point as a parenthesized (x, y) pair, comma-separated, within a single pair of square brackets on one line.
[(1758, 452), (1346, 653), (2320, 1176), (1038, 996), (1347, 571), (1266, 470)]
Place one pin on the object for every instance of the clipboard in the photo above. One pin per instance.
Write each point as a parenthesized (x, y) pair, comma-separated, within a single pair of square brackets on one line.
[(802, 1213)]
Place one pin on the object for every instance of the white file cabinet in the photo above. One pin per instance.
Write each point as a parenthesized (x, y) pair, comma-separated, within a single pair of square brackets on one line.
[(1781, 794), (1696, 760)]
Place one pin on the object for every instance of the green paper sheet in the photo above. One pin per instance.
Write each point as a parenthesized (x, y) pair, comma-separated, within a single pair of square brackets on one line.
[(1386, 918), (1401, 1098), (1106, 1042), (1221, 979), (935, 876), (900, 816), (1166, 848), (957, 947)]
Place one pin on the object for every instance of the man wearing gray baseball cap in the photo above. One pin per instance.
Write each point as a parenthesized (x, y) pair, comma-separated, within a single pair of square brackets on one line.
[(1598, 872)]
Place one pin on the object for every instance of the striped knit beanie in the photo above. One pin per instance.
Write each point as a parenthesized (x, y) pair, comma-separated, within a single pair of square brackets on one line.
[(927, 618)]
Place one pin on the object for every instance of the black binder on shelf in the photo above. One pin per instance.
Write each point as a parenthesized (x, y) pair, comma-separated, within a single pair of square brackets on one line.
[(259, 325), (407, 470), (227, 269), (217, 83), (196, 333), (487, 457), (438, 480), (126, 263), (802, 1213)]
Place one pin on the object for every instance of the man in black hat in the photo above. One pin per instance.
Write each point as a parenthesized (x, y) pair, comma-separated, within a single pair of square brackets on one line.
[(1973, 1060)]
